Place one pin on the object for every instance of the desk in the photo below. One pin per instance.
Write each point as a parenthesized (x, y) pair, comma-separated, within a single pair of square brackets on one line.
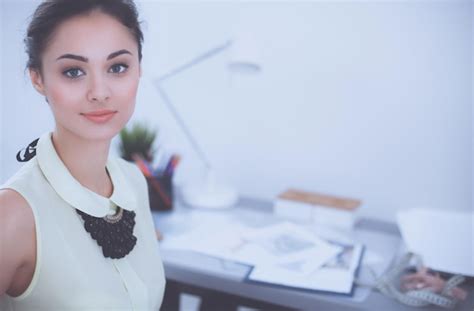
[(201, 271)]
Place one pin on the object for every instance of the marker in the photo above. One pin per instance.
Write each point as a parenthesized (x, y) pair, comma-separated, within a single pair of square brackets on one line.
[(142, 165)]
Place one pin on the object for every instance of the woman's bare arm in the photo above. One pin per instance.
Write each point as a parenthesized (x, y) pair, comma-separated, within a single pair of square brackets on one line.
[(16, 229)]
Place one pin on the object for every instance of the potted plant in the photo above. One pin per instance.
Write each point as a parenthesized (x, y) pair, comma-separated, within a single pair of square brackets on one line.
[(136, 145), (138, 140)]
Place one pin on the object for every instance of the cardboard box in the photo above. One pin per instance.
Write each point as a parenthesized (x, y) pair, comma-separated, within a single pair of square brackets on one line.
[(320, 209)]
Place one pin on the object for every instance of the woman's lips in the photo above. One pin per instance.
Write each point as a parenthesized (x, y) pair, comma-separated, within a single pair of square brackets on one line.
[(100, 116)]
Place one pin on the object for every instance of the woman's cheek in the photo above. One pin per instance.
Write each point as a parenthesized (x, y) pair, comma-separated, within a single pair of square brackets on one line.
[(128, 87), (126, 93), (67, 95)]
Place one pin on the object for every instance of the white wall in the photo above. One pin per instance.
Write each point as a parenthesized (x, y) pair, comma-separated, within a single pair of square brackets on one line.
[(365, 99), (25, 115)]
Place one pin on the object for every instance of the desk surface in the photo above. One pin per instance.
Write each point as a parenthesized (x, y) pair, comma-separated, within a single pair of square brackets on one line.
[(381, 240)]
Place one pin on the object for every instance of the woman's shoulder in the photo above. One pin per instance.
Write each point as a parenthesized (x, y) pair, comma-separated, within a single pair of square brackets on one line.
[(130, 169), (132, 175), (26, 174)]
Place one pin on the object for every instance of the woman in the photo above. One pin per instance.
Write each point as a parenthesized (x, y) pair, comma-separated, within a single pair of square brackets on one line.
[(76, 231)]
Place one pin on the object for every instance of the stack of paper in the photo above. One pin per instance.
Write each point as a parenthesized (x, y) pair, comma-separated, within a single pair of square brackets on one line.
[(282, 254), (335, 276)]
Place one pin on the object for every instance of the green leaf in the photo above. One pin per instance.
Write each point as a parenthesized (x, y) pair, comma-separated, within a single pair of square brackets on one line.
[(139, 139)]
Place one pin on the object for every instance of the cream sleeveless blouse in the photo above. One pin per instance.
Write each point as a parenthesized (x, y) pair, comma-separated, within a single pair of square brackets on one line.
[(71, 272)]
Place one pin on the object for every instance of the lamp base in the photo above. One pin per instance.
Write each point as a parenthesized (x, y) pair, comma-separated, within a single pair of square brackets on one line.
[(209, 195)]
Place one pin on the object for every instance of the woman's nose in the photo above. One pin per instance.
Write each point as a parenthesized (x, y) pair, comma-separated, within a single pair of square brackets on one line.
[(99, 90)]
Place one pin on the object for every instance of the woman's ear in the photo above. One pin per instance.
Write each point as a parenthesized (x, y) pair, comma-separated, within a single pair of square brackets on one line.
[(37, 80)]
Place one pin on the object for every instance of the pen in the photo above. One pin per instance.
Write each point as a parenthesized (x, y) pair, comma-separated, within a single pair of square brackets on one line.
[(168, 169), (172, 163), (143, 165), (175, 163), (158, 157)]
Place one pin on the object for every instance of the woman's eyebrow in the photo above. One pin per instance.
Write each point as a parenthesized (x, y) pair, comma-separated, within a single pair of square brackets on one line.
[(85, 59), (120, 52), (72, 56)]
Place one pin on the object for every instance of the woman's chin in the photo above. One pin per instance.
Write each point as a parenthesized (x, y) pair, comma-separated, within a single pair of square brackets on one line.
[(105, 133)]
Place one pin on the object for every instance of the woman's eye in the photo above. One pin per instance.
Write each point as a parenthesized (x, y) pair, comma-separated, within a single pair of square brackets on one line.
[(73, 73), (118, 68)]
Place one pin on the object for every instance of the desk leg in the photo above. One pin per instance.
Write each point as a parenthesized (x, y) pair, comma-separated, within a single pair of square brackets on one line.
[(214, 301), (171, 297), (211, 300)]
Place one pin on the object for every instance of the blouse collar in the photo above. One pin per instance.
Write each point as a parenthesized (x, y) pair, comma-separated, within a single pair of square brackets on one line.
[(80, 197)]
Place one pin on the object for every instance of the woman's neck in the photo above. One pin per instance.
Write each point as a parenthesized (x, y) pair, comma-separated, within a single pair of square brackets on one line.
[(85, 159)]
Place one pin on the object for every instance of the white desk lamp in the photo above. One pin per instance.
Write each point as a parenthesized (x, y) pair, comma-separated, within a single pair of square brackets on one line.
[(210, 193)]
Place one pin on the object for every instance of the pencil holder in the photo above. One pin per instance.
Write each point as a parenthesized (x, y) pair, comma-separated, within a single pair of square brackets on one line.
[(160, 192)]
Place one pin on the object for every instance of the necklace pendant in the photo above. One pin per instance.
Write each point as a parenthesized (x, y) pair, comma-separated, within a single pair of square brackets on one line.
[(112, 219)]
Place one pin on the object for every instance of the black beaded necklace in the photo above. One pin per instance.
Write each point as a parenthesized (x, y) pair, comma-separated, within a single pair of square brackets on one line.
[(113, 233)]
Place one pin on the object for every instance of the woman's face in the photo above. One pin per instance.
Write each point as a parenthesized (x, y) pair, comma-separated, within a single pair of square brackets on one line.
[(90, 65)]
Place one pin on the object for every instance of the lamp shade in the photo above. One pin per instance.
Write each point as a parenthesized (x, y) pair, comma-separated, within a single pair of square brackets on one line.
[(244, 55)]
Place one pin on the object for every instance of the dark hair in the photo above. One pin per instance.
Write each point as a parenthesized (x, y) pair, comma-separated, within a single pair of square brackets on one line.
[(50, 13)]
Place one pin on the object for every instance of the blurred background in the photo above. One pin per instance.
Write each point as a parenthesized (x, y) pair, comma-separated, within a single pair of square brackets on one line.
[(364, 99)]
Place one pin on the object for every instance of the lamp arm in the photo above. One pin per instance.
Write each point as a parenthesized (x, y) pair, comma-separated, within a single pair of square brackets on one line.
[(195, 61), (183, 126), (173, 110)]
